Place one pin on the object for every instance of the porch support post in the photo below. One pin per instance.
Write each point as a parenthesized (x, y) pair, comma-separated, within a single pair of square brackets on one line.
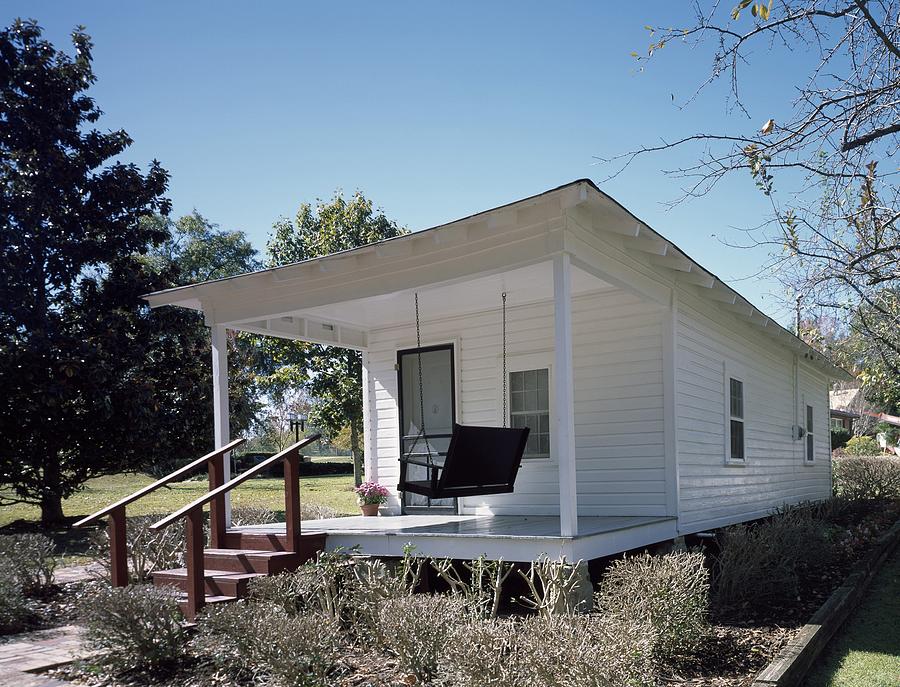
[(221, 422), (564, 384)]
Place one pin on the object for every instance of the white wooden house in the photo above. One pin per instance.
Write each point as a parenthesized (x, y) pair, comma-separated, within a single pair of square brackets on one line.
[(661, 402)]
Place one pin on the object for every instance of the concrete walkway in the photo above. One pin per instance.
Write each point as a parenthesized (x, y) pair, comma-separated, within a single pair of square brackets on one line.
[(23, 655)]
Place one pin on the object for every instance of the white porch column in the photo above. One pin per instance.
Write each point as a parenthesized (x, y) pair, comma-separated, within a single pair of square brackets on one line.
[(221, 420), (563, 383)]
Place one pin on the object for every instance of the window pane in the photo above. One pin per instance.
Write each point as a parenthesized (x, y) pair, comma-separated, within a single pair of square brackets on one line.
[(531, 399), (517, 401), (543, 379), (810, 447), (516, 381), (737, 440), (544, 423), (737, 398), (545, 444), (809, 418), (530, 380)]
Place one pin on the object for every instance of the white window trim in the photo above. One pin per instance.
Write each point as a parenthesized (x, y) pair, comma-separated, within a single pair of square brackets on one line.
[(521, 363), (732, 371), (807, 460)]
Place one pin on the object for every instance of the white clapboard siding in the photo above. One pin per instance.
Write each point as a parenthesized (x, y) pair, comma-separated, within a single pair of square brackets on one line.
[(618, 400), (713, 493)]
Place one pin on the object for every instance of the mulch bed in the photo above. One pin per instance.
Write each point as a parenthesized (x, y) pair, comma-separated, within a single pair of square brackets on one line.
[(746, 638)]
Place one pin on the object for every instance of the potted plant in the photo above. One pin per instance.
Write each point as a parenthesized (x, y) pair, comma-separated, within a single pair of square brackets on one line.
[(370, 495)]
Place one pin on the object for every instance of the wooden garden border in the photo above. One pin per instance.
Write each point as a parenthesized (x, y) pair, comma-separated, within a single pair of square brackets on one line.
[(797, 657)]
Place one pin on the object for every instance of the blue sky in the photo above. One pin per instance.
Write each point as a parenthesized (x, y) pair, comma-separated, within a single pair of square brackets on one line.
[(433, 110)]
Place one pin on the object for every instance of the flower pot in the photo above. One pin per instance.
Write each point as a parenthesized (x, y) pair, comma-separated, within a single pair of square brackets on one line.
[(369, 509)]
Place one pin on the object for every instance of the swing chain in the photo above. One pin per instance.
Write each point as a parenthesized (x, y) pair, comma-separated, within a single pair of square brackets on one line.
[(421, 433), (504, 359)]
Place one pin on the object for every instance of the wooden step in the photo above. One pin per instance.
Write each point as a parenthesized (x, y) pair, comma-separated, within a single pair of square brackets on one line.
[(252, 561), (217, 582), (209, 600), (310, 544)]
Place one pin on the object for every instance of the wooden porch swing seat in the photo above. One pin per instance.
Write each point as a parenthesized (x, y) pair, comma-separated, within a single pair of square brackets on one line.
[(479, 461)]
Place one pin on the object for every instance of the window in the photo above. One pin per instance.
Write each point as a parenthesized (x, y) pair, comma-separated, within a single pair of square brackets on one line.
[(529, 404), (810, 437), (736, 419)]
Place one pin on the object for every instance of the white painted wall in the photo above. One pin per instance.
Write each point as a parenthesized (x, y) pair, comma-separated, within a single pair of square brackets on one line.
[(618, 399), (712, 492)]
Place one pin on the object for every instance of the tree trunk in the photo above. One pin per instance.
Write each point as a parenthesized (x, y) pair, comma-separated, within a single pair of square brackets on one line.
[(357, 452), (51, 500)]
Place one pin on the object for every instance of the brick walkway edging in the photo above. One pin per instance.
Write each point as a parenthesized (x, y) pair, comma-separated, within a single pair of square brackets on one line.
[(793, 662)]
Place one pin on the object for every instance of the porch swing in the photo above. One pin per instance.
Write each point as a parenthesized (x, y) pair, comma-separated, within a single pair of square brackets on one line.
[(479, 460)]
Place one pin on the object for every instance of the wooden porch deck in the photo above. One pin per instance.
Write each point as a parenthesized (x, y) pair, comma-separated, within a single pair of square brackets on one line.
[(511, 537)]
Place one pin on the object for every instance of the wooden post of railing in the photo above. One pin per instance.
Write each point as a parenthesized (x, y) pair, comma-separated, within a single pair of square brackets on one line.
[(292, 500), (196, 583), (217, 505), (117, 548)]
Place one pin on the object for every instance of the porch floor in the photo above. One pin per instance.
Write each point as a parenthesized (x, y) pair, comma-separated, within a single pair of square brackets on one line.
[(511, 537)]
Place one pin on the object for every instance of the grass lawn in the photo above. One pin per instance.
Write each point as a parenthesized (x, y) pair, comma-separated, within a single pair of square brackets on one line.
[(866, 652), (330, 490)]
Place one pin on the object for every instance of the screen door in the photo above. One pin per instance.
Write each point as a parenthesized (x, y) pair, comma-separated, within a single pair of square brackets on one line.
[(438, 404)]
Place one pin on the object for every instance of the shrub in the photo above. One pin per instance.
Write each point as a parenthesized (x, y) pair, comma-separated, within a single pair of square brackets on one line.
[(14, 608), (417, 628), (548, 651), (840, 437), (294, 592), (554, 586), (867, 477), (148, 550), (31, 556), (264, 641), (765, 560), (862, 446), (670, 594), (253, 515), (134, 627), (316, 511)]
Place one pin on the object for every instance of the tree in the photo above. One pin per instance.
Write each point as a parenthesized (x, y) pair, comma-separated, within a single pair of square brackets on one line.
[(833, 226), (195, 250), (331, 375), (71, 222)]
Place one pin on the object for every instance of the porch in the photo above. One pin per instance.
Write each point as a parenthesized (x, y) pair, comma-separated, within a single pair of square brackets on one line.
[(520, 538)]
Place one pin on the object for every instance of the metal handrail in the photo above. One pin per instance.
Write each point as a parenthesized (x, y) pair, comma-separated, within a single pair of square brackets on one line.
[(180, 472), (228, 486)]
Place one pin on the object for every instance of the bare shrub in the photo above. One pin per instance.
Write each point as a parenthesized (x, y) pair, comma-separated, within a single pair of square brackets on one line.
[(294, 592), (148, 549), (14, 607), (481, 587), (270, 645), (416, 630), (253, 515), (670, 594), (134, 627), (316, 511), (31, 557), (549, 651), (867, 477), (552, 587), (764, 561)]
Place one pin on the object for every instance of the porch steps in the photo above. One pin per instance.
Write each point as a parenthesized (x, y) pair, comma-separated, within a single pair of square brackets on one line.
[(227, 572), (216, 582)]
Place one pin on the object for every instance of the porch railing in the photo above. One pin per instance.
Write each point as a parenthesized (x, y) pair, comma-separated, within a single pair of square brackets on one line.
[(193, 513), (215, 465)]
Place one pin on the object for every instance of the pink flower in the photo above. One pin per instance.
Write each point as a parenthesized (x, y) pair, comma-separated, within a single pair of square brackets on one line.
[(371, 493)]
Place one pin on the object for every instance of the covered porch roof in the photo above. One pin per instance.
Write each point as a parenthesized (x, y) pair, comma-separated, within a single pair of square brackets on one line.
[(337, 299)]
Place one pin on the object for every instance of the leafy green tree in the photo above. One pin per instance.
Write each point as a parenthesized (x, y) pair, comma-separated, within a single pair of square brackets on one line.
[(69, 321), (331, 375), (196, 250)]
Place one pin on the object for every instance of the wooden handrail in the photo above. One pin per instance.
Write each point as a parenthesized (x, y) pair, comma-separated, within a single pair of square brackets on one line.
[(140, 493), (243, 477)]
